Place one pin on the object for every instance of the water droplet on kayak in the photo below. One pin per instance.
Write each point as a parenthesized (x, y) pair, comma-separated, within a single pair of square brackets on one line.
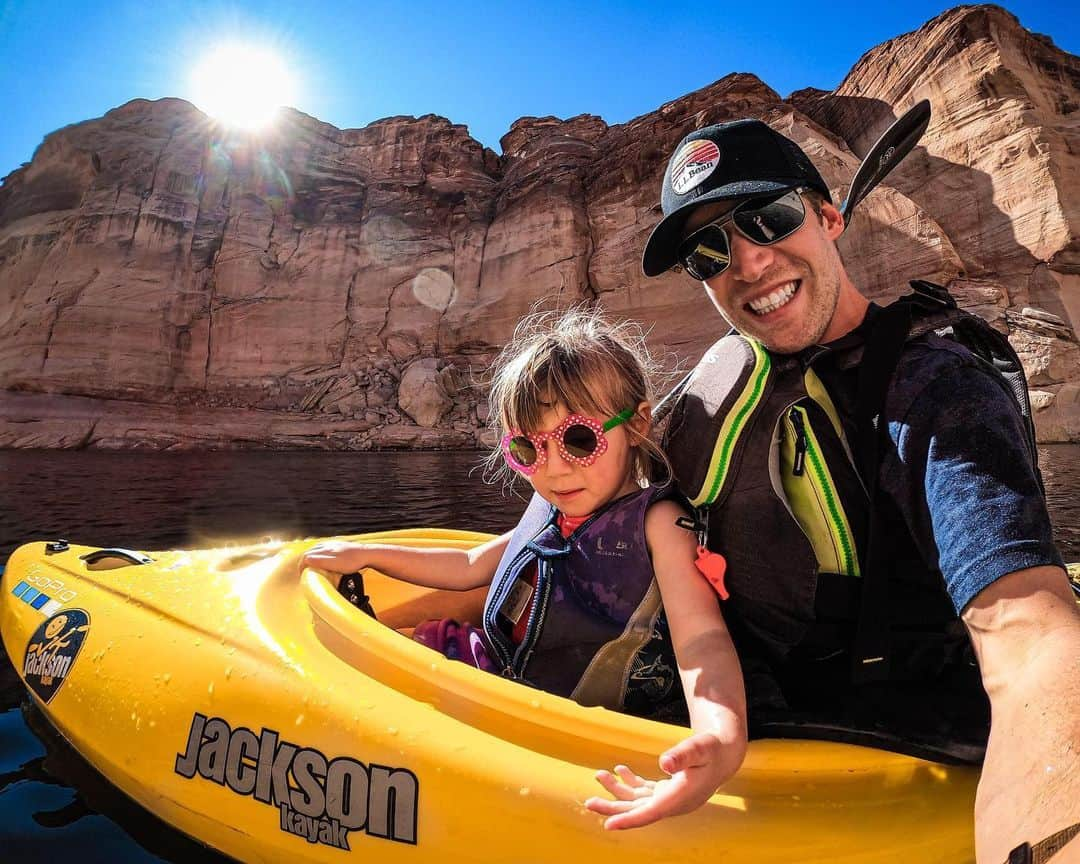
[(210, 689), (524, 791), (392, 730), (167, 677), (228, 672), (299, 719), (534, 703)]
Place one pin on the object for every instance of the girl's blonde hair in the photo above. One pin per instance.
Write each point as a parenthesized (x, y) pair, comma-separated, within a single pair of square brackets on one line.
[(582, 361)]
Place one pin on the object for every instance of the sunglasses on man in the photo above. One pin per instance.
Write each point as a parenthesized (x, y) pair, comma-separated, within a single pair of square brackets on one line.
[(707, 252)]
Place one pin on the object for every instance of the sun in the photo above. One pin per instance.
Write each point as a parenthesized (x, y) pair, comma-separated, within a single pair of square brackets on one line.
[(241, 84)]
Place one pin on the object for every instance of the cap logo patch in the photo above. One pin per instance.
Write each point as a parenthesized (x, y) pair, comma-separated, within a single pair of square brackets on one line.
[(693, 164)]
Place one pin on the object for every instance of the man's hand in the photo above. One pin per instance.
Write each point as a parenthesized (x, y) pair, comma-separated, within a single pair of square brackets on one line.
[(1026, 631), (692, 765)]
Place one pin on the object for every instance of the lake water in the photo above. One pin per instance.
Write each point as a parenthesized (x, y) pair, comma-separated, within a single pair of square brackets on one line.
[(53, 804)]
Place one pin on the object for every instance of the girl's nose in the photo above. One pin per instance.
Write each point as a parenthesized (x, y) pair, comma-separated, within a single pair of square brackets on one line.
[(555, 462)]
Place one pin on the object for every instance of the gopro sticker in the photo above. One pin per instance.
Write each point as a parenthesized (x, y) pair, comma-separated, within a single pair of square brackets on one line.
[(693, 164)]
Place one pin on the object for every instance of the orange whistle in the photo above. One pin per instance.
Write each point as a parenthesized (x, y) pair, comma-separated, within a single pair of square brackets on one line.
[(712, 566)]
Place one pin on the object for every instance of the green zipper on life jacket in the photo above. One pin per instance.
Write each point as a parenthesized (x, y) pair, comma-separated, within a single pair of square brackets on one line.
[(811, 492), (733, 427)]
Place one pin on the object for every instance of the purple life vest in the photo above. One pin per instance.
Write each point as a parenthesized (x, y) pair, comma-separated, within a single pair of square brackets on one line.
[(597, 631)]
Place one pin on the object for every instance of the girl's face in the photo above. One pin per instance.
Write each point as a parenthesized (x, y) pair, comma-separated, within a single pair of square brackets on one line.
[(577, 490)]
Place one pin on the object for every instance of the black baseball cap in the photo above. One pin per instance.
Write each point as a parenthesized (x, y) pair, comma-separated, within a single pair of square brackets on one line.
[(726, 162)]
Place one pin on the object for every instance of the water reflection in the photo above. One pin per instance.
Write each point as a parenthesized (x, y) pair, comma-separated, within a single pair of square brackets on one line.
[(156, 501)]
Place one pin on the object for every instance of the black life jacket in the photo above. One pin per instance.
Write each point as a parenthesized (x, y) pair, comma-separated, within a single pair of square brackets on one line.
[(843, 632), (597, 632)]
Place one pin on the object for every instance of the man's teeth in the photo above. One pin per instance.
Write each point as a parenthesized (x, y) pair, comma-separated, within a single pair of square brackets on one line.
[(771, 302)]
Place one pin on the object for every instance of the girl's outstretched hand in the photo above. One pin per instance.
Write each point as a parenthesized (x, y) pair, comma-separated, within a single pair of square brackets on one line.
[(337, 556), (695, 771)]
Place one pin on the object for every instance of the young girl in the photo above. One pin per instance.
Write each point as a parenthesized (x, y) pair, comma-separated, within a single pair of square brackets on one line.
[(574, 601)]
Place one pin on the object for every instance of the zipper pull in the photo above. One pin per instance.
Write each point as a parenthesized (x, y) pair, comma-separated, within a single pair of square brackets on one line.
[(800, 442)]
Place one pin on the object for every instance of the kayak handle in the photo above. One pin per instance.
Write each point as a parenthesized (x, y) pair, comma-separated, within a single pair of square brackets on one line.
[(123, 554)]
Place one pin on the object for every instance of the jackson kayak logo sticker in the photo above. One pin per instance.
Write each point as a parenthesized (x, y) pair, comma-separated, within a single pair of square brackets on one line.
[(51, 651), (317, 798), (693, 163)]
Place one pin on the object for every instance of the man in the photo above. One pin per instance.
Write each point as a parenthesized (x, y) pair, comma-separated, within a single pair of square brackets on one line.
[(958, 515)]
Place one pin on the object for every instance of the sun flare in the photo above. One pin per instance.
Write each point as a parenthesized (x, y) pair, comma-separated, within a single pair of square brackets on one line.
[(241, 85)]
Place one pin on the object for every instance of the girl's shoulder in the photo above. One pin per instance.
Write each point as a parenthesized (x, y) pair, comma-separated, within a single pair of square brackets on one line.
[(664, 536), (662, 516)]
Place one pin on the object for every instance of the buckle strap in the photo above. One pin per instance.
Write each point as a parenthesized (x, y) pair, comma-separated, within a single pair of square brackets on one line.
[(351, 587), (870, 658)]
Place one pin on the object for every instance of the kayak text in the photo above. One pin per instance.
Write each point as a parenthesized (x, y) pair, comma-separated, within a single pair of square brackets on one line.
[(318, 798)]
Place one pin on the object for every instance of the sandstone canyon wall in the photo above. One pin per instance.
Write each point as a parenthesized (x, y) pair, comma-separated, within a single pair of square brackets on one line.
[(164, 284)]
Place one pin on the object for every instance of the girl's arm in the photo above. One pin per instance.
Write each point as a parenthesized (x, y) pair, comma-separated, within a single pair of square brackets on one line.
[(712, 682), (453, 569)]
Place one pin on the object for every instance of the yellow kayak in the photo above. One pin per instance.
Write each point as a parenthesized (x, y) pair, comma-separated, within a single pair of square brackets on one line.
[(248, 704)]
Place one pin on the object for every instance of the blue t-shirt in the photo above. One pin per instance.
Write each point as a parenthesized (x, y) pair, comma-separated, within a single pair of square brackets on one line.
[(961, 475)]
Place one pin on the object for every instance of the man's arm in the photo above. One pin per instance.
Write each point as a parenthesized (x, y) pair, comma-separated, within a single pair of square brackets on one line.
[(1026, 631), (963, 477)]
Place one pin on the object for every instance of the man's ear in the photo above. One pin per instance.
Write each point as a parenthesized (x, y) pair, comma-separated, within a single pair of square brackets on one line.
[(831, 220)]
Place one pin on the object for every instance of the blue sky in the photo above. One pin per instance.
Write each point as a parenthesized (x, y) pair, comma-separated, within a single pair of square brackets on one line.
[(481, 64)]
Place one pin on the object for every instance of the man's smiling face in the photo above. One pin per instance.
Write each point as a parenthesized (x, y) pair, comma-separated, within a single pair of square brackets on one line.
[(784, 295)]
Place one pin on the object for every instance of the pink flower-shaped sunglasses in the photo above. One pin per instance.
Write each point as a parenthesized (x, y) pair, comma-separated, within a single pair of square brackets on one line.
[(580, 440)]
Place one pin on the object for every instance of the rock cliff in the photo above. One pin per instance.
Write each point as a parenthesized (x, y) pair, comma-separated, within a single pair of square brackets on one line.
[(166, 284)]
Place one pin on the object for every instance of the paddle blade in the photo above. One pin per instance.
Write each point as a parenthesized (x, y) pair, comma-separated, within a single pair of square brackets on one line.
[(893, 145)]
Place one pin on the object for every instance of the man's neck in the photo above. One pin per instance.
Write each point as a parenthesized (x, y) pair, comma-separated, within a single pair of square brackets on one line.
[(851, 308)]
